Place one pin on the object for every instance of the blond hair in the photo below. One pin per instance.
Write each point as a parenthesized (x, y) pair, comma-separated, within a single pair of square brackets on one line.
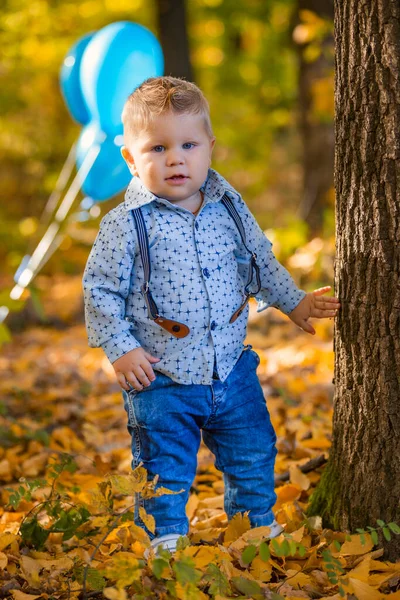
[(158, 95)]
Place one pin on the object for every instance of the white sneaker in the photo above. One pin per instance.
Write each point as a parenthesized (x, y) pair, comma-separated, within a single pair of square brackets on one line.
[(168, 541), (276, 529)]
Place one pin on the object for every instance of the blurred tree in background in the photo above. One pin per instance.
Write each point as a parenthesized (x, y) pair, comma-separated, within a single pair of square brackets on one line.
[(173, 36), (313, 36), (242, 54)]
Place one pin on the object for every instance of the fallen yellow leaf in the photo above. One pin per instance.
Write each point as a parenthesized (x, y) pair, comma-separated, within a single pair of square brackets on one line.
[(217, 520), (317, 443), (31, 568), (287, 493), (185, 592), (354, 546), (5, 470), (239, 524), (361, 571), (261, 570), (298, 534), (65, 439), (297, 579), (33, 465), (394, 596), (256, 533), (377, 565), (147, 519), (378, 579), (113, 593), (56, 563), (6, 539), (191, 506), (206, 535), (212, 502), (127, 484), (298, 478), (205, 555), (139, 534), (362, 590), (18, 595)]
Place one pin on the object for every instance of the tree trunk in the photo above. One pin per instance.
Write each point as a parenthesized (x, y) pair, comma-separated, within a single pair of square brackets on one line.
[(173, 37), (317, 133), (361, 482)]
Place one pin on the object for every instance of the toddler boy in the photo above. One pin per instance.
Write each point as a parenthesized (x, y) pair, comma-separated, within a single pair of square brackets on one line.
[(173, 322)]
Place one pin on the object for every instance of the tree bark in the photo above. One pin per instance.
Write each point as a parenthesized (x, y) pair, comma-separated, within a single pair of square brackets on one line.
[(317, 135), (173, 37), (361, 481)]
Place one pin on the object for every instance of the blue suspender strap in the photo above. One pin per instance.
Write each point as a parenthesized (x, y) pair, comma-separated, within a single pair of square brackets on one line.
[(143, 242), (175, 328), (230, 207)]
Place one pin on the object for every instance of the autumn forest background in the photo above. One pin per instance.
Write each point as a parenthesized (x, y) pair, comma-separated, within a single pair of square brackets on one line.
[(267, 69)]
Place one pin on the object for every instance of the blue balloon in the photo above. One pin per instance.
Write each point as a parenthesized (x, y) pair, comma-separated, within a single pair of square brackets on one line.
[(109, 174), (116, 61), (70, 81)]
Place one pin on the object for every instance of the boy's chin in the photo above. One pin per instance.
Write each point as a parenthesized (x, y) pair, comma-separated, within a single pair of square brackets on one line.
[(176, 195)]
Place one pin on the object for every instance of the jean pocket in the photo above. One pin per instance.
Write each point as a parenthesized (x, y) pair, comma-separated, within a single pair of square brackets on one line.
[(252, 355), (257, 358), (160, 381), (132, 394)]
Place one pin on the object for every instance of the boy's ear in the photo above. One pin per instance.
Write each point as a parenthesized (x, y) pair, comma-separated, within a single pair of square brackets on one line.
[(128, 158), (212, 144)]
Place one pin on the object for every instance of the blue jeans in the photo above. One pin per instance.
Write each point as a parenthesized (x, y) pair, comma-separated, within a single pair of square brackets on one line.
[(165, 421)]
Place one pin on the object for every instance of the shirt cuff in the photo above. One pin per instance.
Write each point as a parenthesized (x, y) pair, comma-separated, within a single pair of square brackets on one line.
[(285, 304), (119, 345)]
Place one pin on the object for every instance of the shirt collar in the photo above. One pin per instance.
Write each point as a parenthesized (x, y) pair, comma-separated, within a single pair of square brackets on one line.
[(214, 187)]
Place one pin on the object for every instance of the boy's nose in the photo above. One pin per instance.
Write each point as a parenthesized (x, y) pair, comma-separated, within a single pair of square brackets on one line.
[(175, 158)]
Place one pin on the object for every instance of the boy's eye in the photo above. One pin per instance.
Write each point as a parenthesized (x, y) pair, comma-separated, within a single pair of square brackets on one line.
[(188, 145), (158, 148)]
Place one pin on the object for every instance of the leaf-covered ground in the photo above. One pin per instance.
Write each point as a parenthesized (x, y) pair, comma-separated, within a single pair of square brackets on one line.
[(67, 489)]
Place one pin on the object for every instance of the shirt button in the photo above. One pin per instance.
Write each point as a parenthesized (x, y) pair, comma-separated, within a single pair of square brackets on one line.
[(206, 272), (196, 225), (213, 325)]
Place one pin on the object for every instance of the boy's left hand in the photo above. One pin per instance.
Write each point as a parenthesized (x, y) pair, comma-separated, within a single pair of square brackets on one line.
[(313, 305)]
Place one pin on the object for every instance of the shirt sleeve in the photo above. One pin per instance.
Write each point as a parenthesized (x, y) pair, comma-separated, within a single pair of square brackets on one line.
[(277, 286), (106, 285)]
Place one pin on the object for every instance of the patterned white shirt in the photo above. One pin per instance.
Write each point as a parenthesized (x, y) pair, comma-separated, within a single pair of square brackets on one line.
[(198, 273)]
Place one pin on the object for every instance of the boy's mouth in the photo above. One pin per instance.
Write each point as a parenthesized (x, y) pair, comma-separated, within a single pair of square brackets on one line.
[(177, 178)]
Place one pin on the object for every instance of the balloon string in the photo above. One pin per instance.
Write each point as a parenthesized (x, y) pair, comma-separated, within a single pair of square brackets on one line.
[(43, 250), (62, 180), (55, 195)]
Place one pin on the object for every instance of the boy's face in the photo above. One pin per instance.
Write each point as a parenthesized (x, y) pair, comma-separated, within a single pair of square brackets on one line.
[(172, 156)]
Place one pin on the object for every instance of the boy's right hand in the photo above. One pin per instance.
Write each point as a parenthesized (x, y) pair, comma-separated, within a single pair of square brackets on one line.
[(135, 368)]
